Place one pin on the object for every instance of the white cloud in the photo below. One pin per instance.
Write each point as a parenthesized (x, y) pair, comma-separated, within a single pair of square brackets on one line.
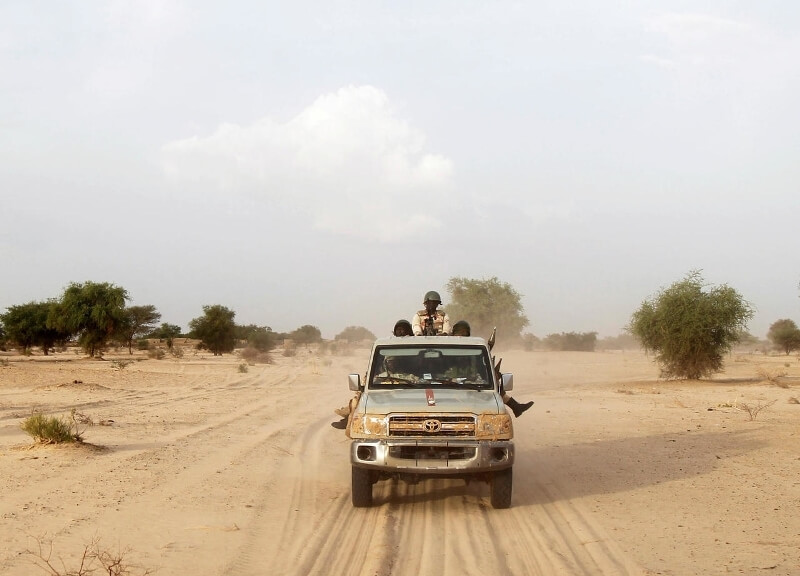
[(347, 161)]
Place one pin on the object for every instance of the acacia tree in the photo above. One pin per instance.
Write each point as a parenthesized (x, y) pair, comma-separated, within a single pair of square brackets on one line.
[(690, 328), (94, 311), (355, 334), (168, 332), (486, 304), (26, 326), (784, 334), (262, 338), (215, 329), (306, 334), (138, 321)]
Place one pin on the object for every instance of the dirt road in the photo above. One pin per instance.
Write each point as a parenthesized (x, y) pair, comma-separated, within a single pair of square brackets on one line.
[(204, 470)]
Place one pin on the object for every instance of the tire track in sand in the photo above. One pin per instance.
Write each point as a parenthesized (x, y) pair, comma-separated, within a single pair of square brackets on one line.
[(305, 525)]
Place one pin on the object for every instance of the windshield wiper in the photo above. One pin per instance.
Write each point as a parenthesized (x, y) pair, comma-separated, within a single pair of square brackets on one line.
[(459, 383)]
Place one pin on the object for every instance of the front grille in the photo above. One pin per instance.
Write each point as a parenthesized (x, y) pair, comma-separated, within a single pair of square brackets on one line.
[(432, 426), (445, 453)]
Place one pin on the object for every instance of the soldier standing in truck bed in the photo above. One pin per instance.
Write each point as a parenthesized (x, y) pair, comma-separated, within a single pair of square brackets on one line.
[(430, 321)]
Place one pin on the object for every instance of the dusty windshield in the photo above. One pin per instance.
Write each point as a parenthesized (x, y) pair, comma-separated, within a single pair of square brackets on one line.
[(431, 367)]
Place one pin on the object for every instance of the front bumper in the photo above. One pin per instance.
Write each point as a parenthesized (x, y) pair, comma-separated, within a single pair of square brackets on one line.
[(444, 457)]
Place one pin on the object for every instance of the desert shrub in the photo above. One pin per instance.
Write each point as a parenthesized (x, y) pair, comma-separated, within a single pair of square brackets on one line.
[(51, 429), (4, 362), (262, 338), (772, 376), (289, 348), (243, 367), (156, 353), (752, 411), (690, 327), (143, 344), (255, 356), (93, 558), (572, 341), (120, 364), (176, 351), (249, 354)]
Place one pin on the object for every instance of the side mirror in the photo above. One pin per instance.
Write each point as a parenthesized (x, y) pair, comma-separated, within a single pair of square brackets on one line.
[(354, 381), (508, 382)]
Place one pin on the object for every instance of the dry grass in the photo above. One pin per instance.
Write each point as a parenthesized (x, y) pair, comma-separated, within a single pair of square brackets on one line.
[(753, 410), (121, 364), (93, 558), (52, 429), (772, 376)]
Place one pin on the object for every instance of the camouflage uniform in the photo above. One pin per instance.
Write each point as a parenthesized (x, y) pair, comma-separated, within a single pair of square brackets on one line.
[(441, 322)]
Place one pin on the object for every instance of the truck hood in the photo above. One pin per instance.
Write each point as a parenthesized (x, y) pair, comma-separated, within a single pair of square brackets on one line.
[(415, 400)]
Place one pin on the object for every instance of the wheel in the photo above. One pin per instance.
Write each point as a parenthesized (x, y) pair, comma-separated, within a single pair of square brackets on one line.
[(500, 487), (362, 487)]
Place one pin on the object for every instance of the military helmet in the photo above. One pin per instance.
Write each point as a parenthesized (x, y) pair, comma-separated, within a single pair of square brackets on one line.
[(461, 328), (432, 296), (403, 328)]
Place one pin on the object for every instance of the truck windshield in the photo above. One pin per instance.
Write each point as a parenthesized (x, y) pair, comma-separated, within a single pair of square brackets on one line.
[(431, 367)]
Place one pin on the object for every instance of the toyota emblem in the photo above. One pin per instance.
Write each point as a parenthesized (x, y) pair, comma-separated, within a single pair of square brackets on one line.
[(431, 426)]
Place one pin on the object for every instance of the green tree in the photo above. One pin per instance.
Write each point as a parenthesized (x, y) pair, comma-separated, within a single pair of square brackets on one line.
[(26, 326), (306, 334), (690, 328), (138, 321), (262, 338), (354, 334), (215, 329), (784, 335), (92, 310), (486, 304), (573, 341), (167, 332)]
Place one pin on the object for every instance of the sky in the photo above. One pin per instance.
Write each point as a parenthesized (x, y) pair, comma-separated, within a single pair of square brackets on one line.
[(328, 163)]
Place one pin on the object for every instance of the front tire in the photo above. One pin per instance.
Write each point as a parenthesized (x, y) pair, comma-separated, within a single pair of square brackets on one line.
[(500, 486), (362, 487)]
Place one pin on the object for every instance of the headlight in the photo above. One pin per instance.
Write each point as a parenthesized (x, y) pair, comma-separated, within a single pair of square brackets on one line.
[(495, 426), (366, 425)]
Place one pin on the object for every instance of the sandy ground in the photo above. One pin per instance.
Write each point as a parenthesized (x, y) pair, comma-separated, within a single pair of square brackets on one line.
[(204, 470)]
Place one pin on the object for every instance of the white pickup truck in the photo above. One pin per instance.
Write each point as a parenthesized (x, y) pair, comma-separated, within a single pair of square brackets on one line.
[(431, 406)]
